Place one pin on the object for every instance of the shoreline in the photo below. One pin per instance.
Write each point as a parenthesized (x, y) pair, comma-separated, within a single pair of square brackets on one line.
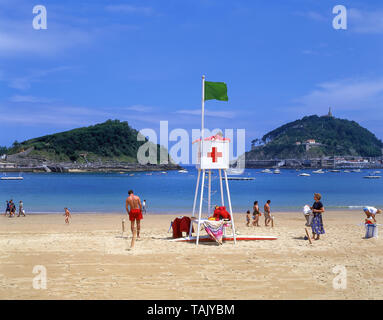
[(186, 212)]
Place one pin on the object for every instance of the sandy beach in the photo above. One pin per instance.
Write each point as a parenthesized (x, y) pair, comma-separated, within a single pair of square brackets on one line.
[(89, 259)]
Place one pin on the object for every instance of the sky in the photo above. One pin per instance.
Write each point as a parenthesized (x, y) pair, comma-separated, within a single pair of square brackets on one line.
[(142, 62)]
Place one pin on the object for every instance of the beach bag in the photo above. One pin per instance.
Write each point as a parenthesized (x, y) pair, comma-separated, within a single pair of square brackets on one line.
[(371, 231)]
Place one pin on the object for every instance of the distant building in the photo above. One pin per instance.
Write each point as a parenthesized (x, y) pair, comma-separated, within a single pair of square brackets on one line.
[(311, 141), (329, 114), (298, 143), (7, 165)]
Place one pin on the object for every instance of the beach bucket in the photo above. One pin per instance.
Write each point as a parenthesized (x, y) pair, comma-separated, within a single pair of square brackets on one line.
[(371, 231)]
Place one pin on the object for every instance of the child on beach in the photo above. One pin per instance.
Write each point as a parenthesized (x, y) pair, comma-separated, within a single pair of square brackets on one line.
[(248, 218), (67, 215)]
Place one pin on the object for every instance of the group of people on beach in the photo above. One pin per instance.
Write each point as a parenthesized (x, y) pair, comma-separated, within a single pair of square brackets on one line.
[(257, 214), (313, 216), (11, 209)]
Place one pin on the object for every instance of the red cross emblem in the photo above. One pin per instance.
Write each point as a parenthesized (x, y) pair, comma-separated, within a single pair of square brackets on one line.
[(214, 154)]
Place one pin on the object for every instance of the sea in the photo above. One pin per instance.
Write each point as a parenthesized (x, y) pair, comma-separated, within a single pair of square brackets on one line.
[(173, 192)]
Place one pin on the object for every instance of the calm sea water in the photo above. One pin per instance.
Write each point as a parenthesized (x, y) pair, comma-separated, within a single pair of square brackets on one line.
[(174, 192)]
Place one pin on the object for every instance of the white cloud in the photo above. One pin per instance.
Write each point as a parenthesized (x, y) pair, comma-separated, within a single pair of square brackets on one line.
[(125, 8), (347, 94), (30, 99), (197, 112), (313, 15), (365, 21), (139, 108), (17, 37), (25, 82)]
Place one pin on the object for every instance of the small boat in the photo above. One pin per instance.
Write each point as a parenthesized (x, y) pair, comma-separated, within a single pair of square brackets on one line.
[(376, 172), (277, 171), (238, 178), (372, 177), (164, 172), (334, 170), (356, 170), (235, 171), (266, 171), (318, 171), (11, 178), (183, 171), (347, 171), (304, 175)]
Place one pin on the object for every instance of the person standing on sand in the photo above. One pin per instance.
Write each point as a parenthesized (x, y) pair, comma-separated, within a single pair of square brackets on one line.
[(134, 209), (8, 209), (13, 208), (67, 215), (21, 209), (256, 214), (317, 222), (267, 213), (144, 206)]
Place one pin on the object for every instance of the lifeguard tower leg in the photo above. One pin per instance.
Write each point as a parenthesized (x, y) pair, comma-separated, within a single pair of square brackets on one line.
[(209, 195), (222, 197), (220, 184), (230, 208), (195, 200), (200, 206)]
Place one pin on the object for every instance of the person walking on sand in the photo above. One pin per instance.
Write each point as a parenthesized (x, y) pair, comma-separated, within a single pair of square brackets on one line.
[(144, 206), (317, 221), (21, 209), (266, 208), (13, 209), (7, 209), (256, 214), (67, 215), (134, 209)]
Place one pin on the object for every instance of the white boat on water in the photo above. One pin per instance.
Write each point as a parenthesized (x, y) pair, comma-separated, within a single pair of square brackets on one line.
[(304, 174), (318, 171), (372, 177), (356, 170), (334, 170), (277, 171), (347, 171), (266, 171), (376, 172), (11, 178), (183, 171)]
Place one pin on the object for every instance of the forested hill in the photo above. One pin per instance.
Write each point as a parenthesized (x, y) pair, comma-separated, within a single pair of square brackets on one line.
[(332, 136), (111, 140)]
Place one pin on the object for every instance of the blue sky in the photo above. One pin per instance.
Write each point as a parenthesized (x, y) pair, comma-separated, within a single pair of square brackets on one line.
[(142, 61)]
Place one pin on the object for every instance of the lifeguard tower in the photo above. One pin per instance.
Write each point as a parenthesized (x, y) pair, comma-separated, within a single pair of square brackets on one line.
[(212, 154)]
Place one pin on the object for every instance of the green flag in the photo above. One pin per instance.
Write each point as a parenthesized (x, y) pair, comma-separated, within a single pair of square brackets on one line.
[(216, 90)]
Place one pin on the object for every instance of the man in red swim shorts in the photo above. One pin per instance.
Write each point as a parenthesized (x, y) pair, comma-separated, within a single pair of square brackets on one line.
[(134, 208)]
